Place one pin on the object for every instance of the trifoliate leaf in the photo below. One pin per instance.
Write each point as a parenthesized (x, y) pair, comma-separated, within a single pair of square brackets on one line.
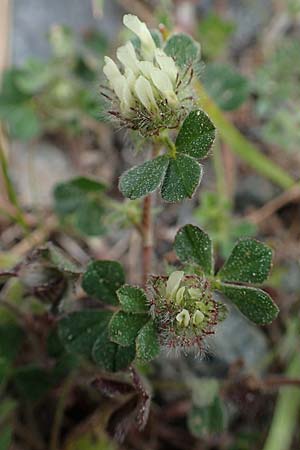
[(193, 245), (133, 299), (124, 327), (182, 178), (144, 179), (254, 303), (102, 279), (196, 135), (249, 262)]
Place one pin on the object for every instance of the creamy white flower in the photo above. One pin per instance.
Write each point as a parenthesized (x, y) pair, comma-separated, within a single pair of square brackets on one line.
[(163, 83), (119, 84), (195, 293), (130, 79), (111, 71), (173, 283), (127, 56), (127, 100), (140, 29), (144, 93), (167, 64), (198, 317), (146, 67), (179, 295), (183, 318)]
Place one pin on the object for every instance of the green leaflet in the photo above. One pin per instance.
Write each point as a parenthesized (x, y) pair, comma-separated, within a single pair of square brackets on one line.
[(249, 262), (182, 178), (193, 245), (133, 299), (102, 279), (254, 303), (196, 135), (124, 327), (144, 179)]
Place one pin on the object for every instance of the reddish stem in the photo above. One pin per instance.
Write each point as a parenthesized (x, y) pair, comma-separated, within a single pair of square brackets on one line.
[(147, 236)]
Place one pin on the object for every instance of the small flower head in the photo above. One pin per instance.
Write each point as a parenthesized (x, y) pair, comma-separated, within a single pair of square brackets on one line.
[(147, 92), (184, 310)]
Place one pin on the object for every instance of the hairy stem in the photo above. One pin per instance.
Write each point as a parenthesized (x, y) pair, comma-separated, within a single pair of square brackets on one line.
[(147, 229), (147, 236), (240, 145)]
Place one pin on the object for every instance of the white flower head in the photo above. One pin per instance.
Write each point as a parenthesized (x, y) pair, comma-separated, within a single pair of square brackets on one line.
[(182, 321), (146, 91)]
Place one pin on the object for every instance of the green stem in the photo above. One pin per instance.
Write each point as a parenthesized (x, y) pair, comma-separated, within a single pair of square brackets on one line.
[(12, 195), (240, 145), (219, 169), (169, 144), (286, 412)]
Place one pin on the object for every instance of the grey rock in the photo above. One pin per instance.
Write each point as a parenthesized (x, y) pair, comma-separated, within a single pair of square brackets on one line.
[(31, 20), (36, 170)]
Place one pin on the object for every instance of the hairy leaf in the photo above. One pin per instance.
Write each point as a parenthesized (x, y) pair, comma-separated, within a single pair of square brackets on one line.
[(80, 330), (183, 49), (147, 344), (254, 303), (196, 135), (144, 179), (182, 178), (102, 279), (249, 262), (193, 245), (124, 327), (111, 356), (133, 299)]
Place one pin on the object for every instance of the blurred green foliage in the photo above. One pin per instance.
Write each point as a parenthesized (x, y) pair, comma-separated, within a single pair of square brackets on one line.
[(215, 214), (228, 88), (214, 34), (58, 95), (80, 202), (277, 86)]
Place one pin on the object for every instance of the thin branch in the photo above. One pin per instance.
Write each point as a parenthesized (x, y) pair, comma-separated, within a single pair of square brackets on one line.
[(59, 413), (263, 213)]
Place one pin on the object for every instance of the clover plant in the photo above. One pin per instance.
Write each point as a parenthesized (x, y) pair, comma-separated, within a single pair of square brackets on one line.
[(148, 90)]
